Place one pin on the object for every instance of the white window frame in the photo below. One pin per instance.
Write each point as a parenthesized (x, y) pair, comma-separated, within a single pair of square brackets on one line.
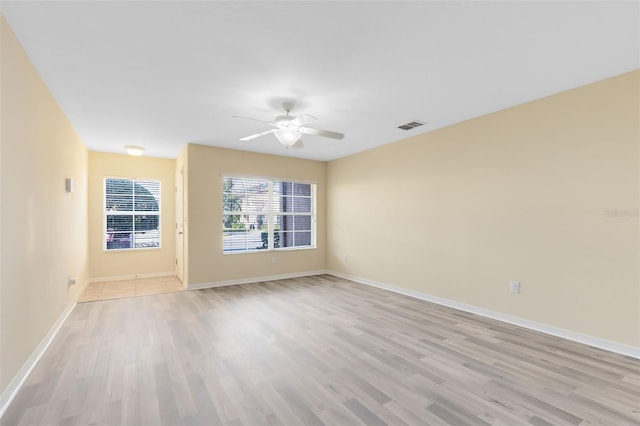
[(271, 214), (133, 213)]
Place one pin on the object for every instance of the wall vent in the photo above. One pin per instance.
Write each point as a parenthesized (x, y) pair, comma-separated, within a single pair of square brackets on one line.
[(410, 125)]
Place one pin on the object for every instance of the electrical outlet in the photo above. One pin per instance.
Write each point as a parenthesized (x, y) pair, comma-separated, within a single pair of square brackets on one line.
[(346, 259), (274, 259), (514, 287)]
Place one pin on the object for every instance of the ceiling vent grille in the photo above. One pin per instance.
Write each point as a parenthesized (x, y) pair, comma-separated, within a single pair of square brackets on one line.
[(411, 125)]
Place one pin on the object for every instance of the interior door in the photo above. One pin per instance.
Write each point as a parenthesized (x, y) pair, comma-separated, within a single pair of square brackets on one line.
[(180, 224)]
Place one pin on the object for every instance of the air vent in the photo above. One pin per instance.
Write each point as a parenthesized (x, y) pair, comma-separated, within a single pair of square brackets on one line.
[(411, 125)]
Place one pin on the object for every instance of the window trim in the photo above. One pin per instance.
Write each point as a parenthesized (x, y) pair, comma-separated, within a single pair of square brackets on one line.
[(132, 213), (272, 214)]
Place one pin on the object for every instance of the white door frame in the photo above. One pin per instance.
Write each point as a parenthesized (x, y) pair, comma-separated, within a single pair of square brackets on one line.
[(180, 224)]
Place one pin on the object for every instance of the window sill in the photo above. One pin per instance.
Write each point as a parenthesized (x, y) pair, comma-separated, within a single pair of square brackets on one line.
[(279, 250), (131, 249)]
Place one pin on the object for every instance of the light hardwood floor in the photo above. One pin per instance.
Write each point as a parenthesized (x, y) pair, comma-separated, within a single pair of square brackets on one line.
[(316, 350)]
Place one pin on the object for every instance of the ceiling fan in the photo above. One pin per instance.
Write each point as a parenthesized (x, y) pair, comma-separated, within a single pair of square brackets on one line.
[(289, 129)]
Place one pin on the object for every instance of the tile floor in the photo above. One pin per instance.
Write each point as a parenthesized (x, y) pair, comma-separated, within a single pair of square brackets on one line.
[(130, 288)]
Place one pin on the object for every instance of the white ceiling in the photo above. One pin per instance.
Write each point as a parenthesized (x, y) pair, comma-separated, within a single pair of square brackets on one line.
[(163, 74)]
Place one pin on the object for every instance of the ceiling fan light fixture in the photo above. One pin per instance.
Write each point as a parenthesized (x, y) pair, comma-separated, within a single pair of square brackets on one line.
[(287, 137), (136, 151), (289, 129)]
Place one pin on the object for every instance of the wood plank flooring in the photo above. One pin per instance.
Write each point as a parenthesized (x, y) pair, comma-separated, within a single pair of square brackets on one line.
[(312, 351)]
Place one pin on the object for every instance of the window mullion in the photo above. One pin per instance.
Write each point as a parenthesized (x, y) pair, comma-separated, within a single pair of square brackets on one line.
[(132, 213), (271, 218), (312, 214)]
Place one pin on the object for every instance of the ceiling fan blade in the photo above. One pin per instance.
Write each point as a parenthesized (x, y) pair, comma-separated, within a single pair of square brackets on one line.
[(318, 132), (257, 135), (270, 123), (302, 119), (298, 144)]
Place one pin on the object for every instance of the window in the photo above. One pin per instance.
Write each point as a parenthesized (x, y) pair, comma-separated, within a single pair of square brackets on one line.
[(131, 214), (262, 214)]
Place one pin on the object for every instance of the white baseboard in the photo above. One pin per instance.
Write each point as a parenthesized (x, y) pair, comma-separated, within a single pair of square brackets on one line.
[(131, 277), (16, 384), (200, 286), (586, 339)]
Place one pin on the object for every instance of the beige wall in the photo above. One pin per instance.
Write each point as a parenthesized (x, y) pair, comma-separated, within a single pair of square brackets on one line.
[(105, 265), (206, 263), (521, 194), (44, 228)]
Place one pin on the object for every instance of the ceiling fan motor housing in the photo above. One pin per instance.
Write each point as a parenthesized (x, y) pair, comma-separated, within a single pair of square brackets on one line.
[(283, 120)]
